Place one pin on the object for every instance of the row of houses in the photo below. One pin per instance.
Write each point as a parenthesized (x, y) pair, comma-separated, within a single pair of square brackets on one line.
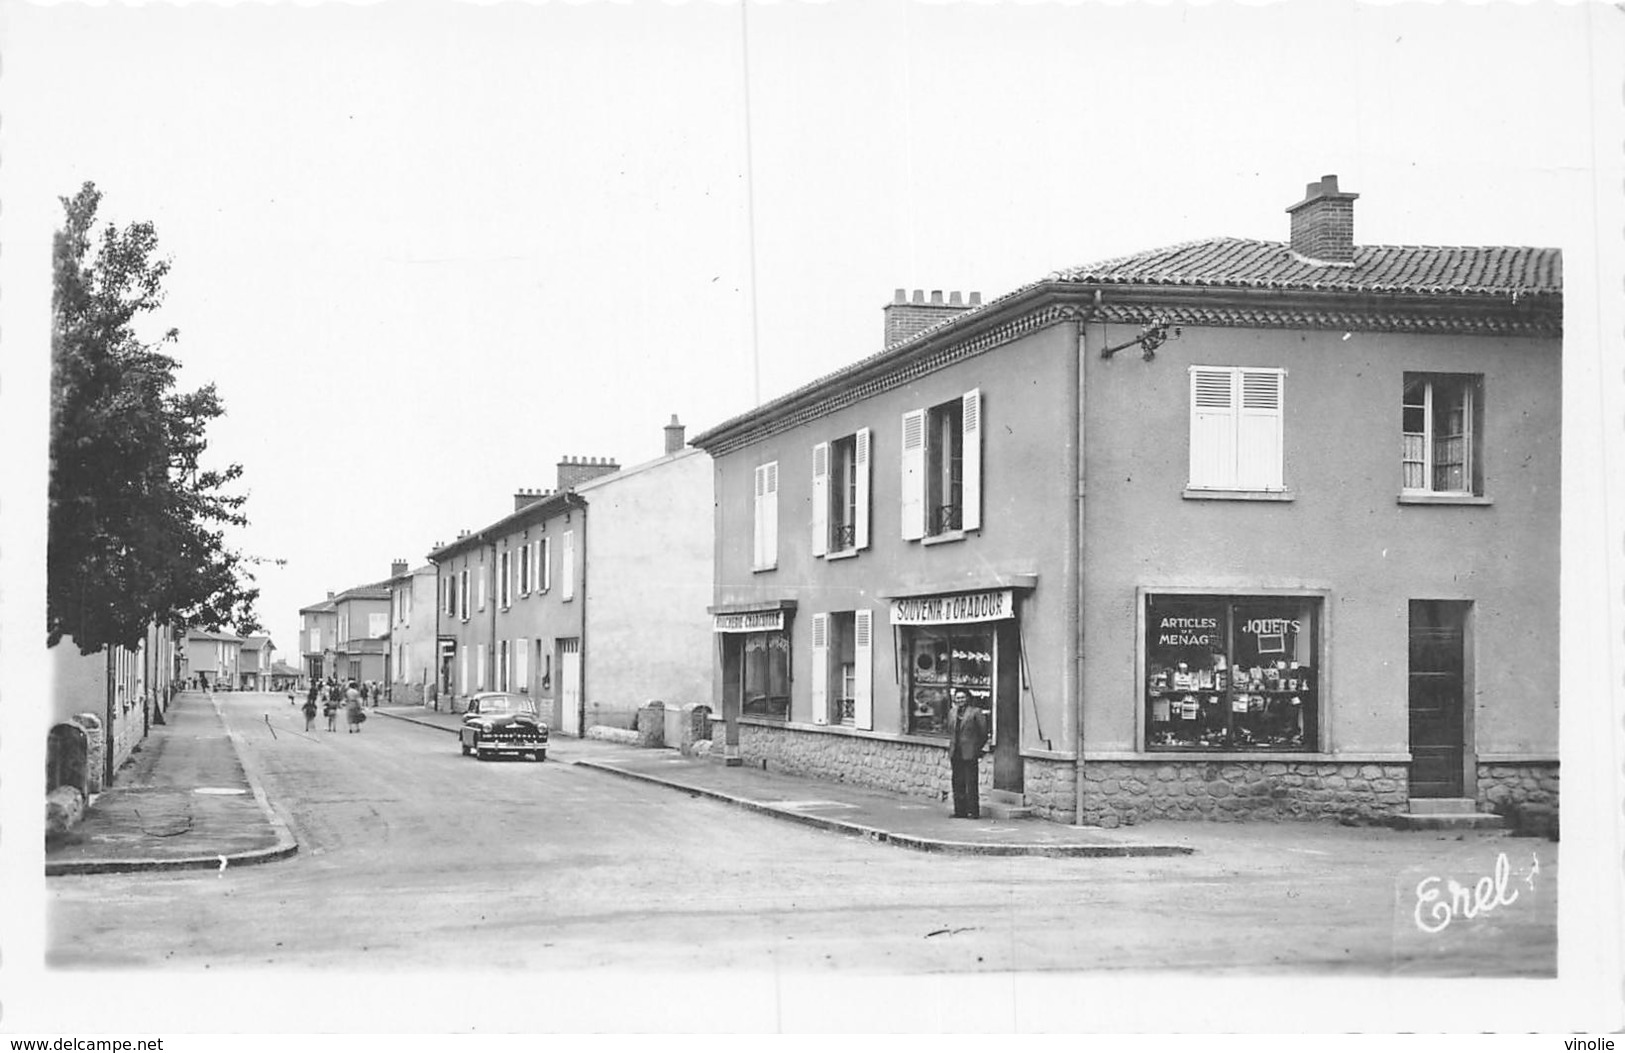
[(1230, 528)]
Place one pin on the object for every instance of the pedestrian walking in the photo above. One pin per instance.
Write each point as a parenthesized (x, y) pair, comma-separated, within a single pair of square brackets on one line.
[(353, 713), (330, 709), (967, 738), (310, 713)]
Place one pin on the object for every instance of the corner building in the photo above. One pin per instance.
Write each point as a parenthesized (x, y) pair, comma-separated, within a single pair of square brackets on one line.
[(1229, 529)]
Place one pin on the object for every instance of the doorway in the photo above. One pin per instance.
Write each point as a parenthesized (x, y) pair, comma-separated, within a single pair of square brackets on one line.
[(1438, 697), (570, 686)]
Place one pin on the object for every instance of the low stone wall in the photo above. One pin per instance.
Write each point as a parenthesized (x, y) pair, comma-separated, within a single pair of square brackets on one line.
[(606, 734), (1123, 792), (1505, 788)]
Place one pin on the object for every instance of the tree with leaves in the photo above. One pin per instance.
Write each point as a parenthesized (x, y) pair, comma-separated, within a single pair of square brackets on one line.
[(137, 523)]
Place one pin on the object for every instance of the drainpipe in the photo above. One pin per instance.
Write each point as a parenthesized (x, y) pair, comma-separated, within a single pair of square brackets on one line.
[(1074, 553)]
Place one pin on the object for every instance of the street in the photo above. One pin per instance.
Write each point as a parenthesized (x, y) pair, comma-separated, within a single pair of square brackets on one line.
[(414, 857)]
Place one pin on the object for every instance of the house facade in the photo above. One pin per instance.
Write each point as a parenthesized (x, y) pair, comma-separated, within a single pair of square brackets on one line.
[(411, 633), (510, 601), (255, 663), (103, 705), (647, 577), (361, 621), (213, 659), (1235, 528), (318, 639)]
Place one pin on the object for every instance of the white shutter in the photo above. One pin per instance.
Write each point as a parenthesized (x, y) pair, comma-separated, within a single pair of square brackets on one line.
[(567, 566), (820, 668), (1258, 430), (863, 674), (479, 664), (970, 425), (462, 671), (759, 520), (861, 528), (521, 661), (820, 499), (913, 482), (1213, 428), (770, 501), (547, 562), (482, 574)]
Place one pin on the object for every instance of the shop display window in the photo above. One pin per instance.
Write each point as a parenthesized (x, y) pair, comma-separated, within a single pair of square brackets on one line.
[(939, 659), (1232, 672), (767, 676)]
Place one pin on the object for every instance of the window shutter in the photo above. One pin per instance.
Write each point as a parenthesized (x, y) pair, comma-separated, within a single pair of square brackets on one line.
[(479, 667), (913, 482), (462, 671), (521, 661), (759, 520), (863, 674), (547, 562), (970, 416), (567, 566), (820, 499), (770, 501), (820, 668), (861, 528), (481, 575), (1258, 430), (1213, 428)]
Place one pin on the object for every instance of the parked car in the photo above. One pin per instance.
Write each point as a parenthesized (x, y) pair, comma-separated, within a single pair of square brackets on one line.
[(497, 722)]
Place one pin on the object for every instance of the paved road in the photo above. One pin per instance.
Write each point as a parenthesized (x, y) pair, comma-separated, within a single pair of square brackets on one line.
[(415, 857)]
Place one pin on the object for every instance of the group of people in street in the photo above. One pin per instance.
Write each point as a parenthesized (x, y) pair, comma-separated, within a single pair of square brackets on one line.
[(353, 696)]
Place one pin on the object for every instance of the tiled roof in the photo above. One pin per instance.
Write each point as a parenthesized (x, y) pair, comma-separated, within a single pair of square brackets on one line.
[(1468, 270)]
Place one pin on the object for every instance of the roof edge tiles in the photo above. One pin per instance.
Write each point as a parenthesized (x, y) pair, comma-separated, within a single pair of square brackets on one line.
[(533, 512), (1212, 281)]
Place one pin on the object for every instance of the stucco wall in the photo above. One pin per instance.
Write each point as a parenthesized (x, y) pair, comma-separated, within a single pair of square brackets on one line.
[(1026, 418), (1344, 531), (648, 582)]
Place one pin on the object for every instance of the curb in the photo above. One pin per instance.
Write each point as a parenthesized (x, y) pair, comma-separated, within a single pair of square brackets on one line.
[(415, 720), (919, 844)]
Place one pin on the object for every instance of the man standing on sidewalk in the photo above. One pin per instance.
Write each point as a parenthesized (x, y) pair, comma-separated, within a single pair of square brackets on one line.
[(967, 736)]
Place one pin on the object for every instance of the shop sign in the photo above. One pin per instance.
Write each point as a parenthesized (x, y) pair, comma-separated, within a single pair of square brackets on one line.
[(749, 622), (987, 606)]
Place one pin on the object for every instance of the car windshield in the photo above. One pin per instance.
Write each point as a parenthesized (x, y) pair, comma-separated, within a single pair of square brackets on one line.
[(500, 704)]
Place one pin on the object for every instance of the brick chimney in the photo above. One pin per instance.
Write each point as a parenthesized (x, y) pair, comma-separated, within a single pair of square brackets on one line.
[(1323, 223), (906, 316), (398, 568), (573, 471), (521, 498), (674, 435)]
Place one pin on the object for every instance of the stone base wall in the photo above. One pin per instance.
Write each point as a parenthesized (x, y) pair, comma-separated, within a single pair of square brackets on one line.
[(1504, 788), (1123, 792), (911, 768)]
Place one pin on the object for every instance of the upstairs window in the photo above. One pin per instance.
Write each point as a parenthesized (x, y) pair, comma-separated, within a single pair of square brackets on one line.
[(1236, 428), (544, 558), (462, 594), (1440, 423), (942, 468), (505, 583), (842, 668), (765, 552), (841, 495), (524, 570)]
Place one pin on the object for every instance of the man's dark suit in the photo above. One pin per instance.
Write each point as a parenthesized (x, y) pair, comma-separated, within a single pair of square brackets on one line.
[(967, 735)]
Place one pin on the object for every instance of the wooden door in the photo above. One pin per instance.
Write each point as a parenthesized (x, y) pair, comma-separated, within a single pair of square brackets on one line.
[(1437, 697)]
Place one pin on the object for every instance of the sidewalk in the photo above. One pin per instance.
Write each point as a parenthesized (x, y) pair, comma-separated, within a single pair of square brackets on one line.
[(839, 807), (184, 801)]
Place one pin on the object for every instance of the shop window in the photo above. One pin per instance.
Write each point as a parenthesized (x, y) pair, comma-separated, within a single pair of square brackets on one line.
[(1232, 672), (841, 495), (1236, 428), (1440, 414), (942, 468), (766, 676), (940, 659)]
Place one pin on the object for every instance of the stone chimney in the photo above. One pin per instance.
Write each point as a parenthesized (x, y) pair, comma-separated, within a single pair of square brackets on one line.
[(674, 435), (906, 316), (521, 498), (398, 568), (573, 471), (329, 593), (1323, 223)]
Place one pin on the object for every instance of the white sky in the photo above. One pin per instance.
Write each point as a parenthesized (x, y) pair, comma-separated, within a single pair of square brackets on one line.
[(425, 251)]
